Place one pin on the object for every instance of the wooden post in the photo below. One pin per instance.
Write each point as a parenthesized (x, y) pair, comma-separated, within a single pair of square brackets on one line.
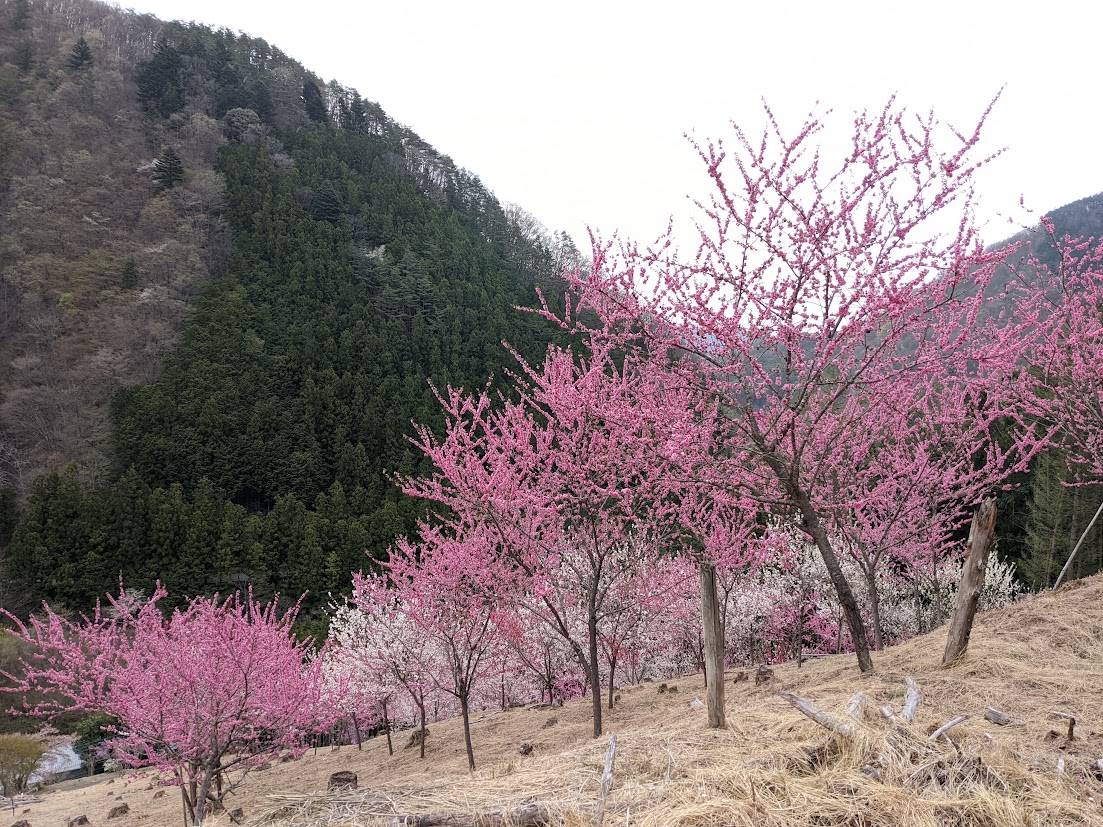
[(982, 539), (606, 780), (714, 646)]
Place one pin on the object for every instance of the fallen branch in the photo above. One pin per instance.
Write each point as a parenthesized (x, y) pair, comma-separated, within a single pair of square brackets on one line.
[(822, 718), (946, 727), (856, 708), (527, 815)]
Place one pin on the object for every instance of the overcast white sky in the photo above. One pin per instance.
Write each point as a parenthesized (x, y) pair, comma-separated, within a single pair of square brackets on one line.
[(576, 109)]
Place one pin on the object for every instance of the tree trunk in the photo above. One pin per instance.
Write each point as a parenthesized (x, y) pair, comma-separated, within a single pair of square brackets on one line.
[(356, 728), (464, 703), (189, 811), (612, 672), (595, 673), (387, 729), (421, 709), (714, 646), (982, 538), (847, 601), (875, 609)]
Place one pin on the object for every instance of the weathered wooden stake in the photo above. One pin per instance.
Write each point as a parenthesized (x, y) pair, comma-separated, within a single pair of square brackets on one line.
[(606, 780), (714, 647), (982, 539)]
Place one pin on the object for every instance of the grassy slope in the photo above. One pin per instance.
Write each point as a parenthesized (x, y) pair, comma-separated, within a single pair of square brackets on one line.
[(771, 767)]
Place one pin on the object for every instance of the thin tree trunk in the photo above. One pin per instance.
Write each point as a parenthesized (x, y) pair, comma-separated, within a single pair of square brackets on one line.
[(612, 671), (189, 812), (466, 730), (387, 729), (982, 538), (875, 609), (356, 729), (595, 674), (421, 709), (851, 613), (714, 646)]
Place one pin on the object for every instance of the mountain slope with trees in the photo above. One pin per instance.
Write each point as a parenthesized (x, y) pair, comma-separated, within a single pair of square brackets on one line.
[(303, 265)]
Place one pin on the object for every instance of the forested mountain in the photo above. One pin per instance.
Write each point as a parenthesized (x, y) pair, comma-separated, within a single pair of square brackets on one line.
[(225, 289), (307, 266)]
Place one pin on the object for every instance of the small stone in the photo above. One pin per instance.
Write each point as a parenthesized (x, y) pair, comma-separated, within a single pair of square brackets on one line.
[(552, 721), (739, 677), (118, 810), (343, 780), (159, 794), (22, 823), (237, 815), (79, 820), (526, 749)]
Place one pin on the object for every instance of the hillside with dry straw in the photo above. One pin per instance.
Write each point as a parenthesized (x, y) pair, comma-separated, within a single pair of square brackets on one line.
[(771, 766)]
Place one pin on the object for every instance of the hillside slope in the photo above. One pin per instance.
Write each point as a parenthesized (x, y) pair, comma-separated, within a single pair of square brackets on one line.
[(772, 766), (208, 382)]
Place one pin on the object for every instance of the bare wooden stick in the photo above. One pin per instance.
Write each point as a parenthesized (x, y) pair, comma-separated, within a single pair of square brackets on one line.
[(606, 779), (1071, 719), (911, 699), (946, 727), (822, 718), (1001, 718)]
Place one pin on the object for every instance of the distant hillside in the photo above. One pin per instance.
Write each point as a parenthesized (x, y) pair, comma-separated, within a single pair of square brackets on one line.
[(308, 264)]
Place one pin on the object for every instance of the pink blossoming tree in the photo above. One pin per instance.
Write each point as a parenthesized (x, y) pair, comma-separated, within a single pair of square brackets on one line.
[(217, 689), (830, 309)]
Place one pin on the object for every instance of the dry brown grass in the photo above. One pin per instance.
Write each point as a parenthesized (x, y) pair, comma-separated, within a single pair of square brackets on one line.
[(772, 766)]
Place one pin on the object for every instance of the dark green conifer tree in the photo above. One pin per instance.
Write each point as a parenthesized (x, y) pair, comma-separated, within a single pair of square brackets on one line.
[(168, 170), (21, 15), (312, 101), (129, 279), (80, 58), (160, 84)]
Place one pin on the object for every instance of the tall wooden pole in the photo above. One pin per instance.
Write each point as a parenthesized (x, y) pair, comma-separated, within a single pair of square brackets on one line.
[(714, 646)]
